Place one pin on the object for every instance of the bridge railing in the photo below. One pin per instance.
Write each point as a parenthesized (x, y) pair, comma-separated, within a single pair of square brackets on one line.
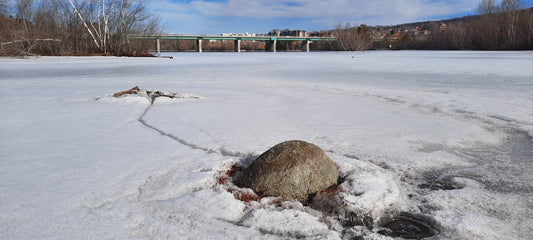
[(252, 38), (237, 39)]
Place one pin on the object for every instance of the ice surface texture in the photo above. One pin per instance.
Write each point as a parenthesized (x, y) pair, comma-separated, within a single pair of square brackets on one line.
[(77, 168)]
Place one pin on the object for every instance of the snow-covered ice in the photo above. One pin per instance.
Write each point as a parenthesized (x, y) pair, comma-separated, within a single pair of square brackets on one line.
[(445, 135)]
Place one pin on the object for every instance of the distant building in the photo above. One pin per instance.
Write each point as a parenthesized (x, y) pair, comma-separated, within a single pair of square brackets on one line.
[(288, 33), (238, 34)]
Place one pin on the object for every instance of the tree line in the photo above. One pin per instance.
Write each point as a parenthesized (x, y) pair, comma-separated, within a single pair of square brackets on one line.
[(75, 27), (101, 27), (351, 38), (504, 26)]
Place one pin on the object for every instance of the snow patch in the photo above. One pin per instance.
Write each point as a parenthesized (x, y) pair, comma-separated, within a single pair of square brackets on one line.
[(472, 213), (285, 222), (370, 193), (147, 96), (130, 99), (204, 204), (366, 194)]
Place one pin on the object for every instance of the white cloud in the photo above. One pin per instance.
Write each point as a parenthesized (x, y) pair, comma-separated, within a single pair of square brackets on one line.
[(379, 10), (330, 12)]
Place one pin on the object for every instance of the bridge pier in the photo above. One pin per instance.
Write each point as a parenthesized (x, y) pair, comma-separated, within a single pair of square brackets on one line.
[(158, 47), (305, 45), (273, 45), (237, 45), (199, 44)]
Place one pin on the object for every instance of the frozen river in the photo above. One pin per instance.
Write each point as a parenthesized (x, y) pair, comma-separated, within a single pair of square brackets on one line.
[(444, 138)]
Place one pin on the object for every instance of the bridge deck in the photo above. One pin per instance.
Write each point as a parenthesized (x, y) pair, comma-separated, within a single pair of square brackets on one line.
[(204, 37), (237, 39)]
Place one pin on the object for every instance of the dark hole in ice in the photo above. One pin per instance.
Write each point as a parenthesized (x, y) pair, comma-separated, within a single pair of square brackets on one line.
[(502, 168), (446, 183), (409, 226)]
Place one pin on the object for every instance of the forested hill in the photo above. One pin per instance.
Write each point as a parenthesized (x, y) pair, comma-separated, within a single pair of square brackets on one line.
[(501, 30)]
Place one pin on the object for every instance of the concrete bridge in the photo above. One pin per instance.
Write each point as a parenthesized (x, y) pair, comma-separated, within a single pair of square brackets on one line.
[(237, 39)]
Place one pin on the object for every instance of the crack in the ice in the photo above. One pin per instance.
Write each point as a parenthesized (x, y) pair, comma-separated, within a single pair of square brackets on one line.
[(501, 123), (219, 150), (505, 124)]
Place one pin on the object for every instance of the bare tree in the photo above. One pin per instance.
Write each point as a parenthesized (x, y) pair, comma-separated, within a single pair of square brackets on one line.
[(4, 8), (24, 8), (109, 22), (24, 14), (487, 7), (85, 24), (510, 9), (352, 38), (511, 5)]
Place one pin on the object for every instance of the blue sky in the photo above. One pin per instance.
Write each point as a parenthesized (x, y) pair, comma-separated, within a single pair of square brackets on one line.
[(260, 16)]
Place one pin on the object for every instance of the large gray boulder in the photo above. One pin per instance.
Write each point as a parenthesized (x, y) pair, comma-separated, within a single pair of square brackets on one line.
[(292, 169)]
